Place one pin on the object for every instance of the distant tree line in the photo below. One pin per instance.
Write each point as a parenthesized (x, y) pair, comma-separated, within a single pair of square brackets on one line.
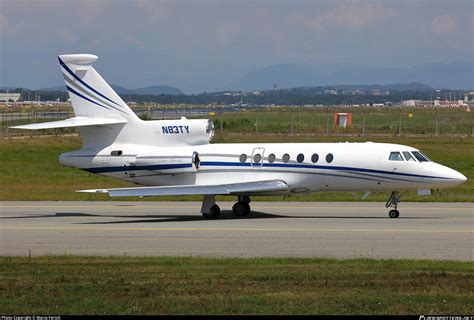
[(278, 97), (282, 97)]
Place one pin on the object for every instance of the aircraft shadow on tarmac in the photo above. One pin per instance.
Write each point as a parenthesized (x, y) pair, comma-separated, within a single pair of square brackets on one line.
[(225, 215)]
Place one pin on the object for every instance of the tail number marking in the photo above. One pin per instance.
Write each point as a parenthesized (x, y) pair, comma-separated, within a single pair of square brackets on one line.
[(175, 129)]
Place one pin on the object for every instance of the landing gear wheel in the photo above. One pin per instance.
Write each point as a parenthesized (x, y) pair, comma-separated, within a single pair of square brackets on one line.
[(244, 199), (393, 202), (213, 213), (393, 214), (241, 209)]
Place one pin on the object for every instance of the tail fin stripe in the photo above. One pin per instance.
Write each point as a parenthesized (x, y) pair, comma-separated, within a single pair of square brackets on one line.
[(88, 94), (80, 80), (83, 97)]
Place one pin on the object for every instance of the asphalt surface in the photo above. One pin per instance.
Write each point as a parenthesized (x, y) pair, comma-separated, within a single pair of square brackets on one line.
[(440, 231)]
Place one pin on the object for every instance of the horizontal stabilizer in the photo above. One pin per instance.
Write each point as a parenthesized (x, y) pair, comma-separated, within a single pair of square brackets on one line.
[(246, 188), (72, 122)]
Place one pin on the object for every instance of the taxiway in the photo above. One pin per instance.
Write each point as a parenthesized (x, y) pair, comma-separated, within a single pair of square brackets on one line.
[(274, 229)]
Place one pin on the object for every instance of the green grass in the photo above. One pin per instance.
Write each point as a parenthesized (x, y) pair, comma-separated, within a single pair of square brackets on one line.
[(371, 120), (182, 285), (30, 169)]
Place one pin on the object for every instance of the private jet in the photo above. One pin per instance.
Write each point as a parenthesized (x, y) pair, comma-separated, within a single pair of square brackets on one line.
[(175, 157)]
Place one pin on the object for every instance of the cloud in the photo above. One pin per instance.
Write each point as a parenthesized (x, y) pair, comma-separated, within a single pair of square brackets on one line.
[(444, 24), (8, 27), (225, 34), (155, 10), (68, 36), (352, 15)]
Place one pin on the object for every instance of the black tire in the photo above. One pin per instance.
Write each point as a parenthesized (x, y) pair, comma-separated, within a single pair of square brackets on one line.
[(213, 213), (241, 209), (244, 199), (393, 214)]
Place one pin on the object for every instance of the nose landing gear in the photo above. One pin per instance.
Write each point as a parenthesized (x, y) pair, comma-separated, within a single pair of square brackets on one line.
[(393, 202)]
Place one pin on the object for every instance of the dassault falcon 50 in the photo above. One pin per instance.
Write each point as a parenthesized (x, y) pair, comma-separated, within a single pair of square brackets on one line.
[(175, 157)]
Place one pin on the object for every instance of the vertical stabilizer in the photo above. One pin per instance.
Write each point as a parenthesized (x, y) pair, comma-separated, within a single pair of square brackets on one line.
[(92, 98), (90, 95)]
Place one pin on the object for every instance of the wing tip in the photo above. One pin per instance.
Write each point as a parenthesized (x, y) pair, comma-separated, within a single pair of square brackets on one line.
[(93, 191)]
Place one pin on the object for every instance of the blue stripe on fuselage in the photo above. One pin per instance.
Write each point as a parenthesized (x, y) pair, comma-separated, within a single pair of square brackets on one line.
[(238, 164)]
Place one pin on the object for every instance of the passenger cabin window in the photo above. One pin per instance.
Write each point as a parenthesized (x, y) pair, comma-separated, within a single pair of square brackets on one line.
[(271, 158), (243, 158), (420, 157), (408, 156), (300, 158), (314, 158), (257, 158), (286, 158), (329, 158), (395, 156)]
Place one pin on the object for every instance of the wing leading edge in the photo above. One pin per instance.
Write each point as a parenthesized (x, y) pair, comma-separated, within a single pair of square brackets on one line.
[(246, 188)]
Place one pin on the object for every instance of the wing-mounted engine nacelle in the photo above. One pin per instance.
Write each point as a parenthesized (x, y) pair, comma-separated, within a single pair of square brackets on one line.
[(170, 162), (186, 131)]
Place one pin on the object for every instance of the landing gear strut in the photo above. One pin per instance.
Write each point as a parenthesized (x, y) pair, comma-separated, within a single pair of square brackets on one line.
[(393, 202), (242, 207), (209, 209)]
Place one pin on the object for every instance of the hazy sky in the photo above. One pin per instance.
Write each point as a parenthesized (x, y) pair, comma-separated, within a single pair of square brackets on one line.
[(145, 42)]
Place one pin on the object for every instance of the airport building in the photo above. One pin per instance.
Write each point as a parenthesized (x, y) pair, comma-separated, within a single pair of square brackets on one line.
[(7, 97)]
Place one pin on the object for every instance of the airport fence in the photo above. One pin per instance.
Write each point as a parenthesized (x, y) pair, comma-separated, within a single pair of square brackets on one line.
[(284, 120)]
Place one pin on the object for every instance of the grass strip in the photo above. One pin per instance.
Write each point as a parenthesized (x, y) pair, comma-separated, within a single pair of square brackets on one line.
[(194, 285)]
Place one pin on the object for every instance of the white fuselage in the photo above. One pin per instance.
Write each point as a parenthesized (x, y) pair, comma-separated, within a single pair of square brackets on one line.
[(354, 166)]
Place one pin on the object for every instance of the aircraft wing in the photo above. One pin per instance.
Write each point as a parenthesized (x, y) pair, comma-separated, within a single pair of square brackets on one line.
[(72, 122), (242, 188)]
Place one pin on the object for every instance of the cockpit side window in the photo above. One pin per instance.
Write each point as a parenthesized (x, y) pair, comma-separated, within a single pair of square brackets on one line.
[(420, 157), (395, 156), (408, 156)]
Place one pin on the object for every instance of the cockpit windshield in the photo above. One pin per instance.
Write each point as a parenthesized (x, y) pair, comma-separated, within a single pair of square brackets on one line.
[(420, 156), (414, 156), (408, 156)]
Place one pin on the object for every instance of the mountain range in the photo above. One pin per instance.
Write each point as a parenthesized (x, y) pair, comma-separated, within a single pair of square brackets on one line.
[(454, 75), (152, 90)]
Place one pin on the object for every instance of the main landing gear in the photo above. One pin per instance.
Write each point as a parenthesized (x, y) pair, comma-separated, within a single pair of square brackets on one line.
[(241, 208), (393, 202), (210, 210)]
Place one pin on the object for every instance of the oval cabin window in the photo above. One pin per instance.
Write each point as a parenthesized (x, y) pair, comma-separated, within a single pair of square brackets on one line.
[(300, 158)]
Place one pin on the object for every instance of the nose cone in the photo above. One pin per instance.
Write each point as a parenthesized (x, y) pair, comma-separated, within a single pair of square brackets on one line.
[(458, 177), (450, 176)]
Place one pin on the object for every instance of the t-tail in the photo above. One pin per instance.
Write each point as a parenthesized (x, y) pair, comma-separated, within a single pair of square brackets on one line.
[(90, 95), (104, 119), (102, 116)]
